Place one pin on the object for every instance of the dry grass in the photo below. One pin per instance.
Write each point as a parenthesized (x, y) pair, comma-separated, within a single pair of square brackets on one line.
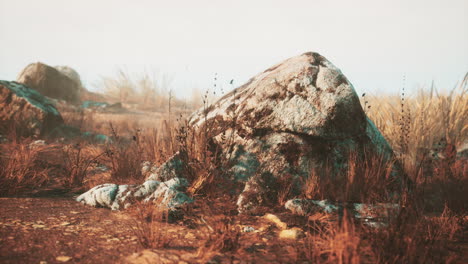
[(367, 179), (151, 225), (415, 238), (428, 229), (333, 242), (221, 235), (147, 91), (22, 168), (78, 158), (428, 118)]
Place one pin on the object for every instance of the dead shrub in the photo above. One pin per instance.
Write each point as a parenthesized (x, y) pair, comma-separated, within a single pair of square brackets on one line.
[(77, 160), (22, 168), (124, 158)]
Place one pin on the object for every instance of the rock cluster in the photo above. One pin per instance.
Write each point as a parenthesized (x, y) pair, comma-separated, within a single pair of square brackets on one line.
[(297, 116), (169, 193)]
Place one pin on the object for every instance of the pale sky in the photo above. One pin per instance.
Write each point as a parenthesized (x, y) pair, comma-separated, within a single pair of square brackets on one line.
[(373, 42)]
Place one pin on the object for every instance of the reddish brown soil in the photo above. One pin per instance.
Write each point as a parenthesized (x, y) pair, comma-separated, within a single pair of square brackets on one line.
[(43, 229)]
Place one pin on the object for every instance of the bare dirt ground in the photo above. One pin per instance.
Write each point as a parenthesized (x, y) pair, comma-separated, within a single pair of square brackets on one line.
[(45, 229), (57, 229)]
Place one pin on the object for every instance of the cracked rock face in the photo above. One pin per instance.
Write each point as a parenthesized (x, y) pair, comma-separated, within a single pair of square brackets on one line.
[(288, 120), (303, 95), (22, 105), (50, 82)]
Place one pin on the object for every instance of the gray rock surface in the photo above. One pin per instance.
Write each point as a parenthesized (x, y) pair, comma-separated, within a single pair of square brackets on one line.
[(296, 116), (169, 193), (27, 109), (375, 215)]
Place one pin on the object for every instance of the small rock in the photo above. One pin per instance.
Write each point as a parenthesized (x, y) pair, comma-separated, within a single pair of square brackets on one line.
[(145, 256), (275, 220), (293, 233), (37, 143), (190, 236), (248, 229), (38, 226), (63, 258), (65, 223)]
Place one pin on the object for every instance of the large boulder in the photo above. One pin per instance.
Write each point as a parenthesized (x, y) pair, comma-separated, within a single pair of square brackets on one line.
[(26, 110), (295, 117), (299, 116), (51, 82)]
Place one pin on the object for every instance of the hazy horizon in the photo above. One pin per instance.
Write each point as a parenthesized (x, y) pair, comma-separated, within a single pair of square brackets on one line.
[(374, 43)]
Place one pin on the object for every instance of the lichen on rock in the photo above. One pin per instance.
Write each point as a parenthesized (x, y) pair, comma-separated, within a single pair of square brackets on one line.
[(169, 194), (298, 116), (28, 108)]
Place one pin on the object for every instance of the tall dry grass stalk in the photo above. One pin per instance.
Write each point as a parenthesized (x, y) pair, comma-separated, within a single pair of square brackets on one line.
[(336, 242), (78, 158), (430, 117), (367, 179), (151, 225)]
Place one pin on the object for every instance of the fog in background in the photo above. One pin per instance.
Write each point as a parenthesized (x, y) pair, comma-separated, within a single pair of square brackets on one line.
[(373, 42)]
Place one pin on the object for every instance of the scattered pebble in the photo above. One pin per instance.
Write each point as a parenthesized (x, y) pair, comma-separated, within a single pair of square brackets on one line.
[(190, 236), (63, 258), (275, 220), (293, 233), (248, 229)]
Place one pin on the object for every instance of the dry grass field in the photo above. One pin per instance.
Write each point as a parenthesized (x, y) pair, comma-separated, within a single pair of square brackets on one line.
[(425, 130)]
